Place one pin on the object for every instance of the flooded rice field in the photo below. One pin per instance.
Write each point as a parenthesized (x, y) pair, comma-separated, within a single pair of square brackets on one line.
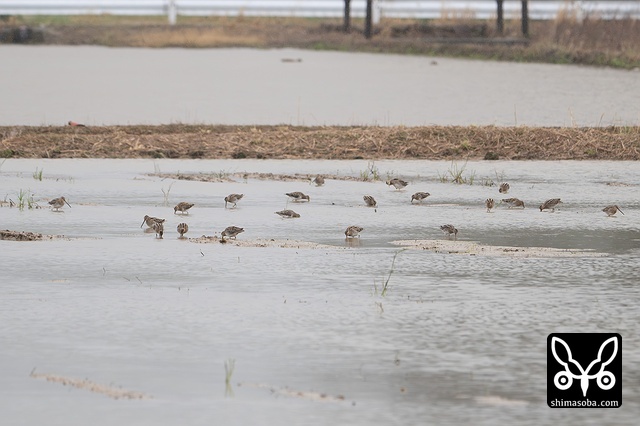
[(110, 312), (51, 85)]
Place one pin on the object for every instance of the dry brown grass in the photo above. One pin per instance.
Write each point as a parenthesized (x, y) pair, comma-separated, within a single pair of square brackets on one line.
[(191, 37), (291, 142)]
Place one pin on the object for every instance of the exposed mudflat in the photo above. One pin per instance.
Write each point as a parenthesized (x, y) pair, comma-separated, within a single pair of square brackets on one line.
[(471, 248), (27, 236), (261, 242)]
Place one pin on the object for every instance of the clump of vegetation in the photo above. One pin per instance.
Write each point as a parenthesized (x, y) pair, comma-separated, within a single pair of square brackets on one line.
[(221, 175), (37, 175), (487, 181), (25, 200), (370, 173), (456, 174)]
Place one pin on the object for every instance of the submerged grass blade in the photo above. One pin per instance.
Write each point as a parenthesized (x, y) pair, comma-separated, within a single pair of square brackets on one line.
[(229, 367)]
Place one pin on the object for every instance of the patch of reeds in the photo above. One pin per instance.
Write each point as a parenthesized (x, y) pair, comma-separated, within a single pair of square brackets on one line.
[(37, 175), (371, 173), (24, 200), (456, 174)]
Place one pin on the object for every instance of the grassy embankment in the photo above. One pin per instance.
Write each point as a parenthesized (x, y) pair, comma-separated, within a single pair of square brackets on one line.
[(290, 142)]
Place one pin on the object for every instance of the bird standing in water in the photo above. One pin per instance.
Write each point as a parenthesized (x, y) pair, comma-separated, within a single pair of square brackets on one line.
[(490, 204), (419, 196), (298, 196), (449, 230), (353, 231), (232, 232), (612, 210), (182, 228), (370, 201), (397, 183), (232, 198), (159, 228), (550, 204), (150, 220), (513, 202), (182, 207), (59, 202), (287, 214)]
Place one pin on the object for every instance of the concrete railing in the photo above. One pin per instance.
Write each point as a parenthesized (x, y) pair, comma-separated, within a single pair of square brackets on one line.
[(538, 9)]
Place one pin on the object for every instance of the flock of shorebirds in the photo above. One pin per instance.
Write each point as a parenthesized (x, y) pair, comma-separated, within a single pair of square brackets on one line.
[(157, 224)]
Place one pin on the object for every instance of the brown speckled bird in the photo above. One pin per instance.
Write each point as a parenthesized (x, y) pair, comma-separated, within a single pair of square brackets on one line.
[(182, 207), (449, 230), (612, 210), (232, 198), (550, 204), (353, 231), (182, 228), (58, 203)]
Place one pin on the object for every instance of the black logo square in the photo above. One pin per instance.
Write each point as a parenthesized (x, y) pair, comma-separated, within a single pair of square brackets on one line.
[(584, 370)]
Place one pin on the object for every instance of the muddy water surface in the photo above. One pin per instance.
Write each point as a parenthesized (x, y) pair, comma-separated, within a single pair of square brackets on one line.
[(50, 85), (455, 338)]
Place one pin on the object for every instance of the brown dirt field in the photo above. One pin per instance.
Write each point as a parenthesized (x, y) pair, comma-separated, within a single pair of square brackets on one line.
[(293, 142)]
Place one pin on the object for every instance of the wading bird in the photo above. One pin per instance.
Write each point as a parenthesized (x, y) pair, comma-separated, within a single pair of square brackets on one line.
[(397, 183), (232, 232), (513, 202), (419, 196), (59, 202), (232, 198), (490, 204), (298, 196), (550, 204), (182, 228), (182, 207), (612, 210), (287, 214), (449, 230), (370, 201)]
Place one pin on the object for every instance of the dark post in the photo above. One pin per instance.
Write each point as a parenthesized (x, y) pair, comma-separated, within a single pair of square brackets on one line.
[(525, 18), (347, 16), (368, 19), (500, 17)]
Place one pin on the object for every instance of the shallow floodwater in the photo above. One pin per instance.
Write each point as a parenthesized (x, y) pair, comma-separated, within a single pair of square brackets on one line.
[(50, 85), (456, 339)]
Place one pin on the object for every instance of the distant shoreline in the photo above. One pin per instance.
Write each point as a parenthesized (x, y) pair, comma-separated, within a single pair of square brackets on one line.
[(329, 142), (565, 40)]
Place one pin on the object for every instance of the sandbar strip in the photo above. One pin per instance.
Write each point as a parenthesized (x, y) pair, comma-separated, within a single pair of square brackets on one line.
[(471, 248)]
